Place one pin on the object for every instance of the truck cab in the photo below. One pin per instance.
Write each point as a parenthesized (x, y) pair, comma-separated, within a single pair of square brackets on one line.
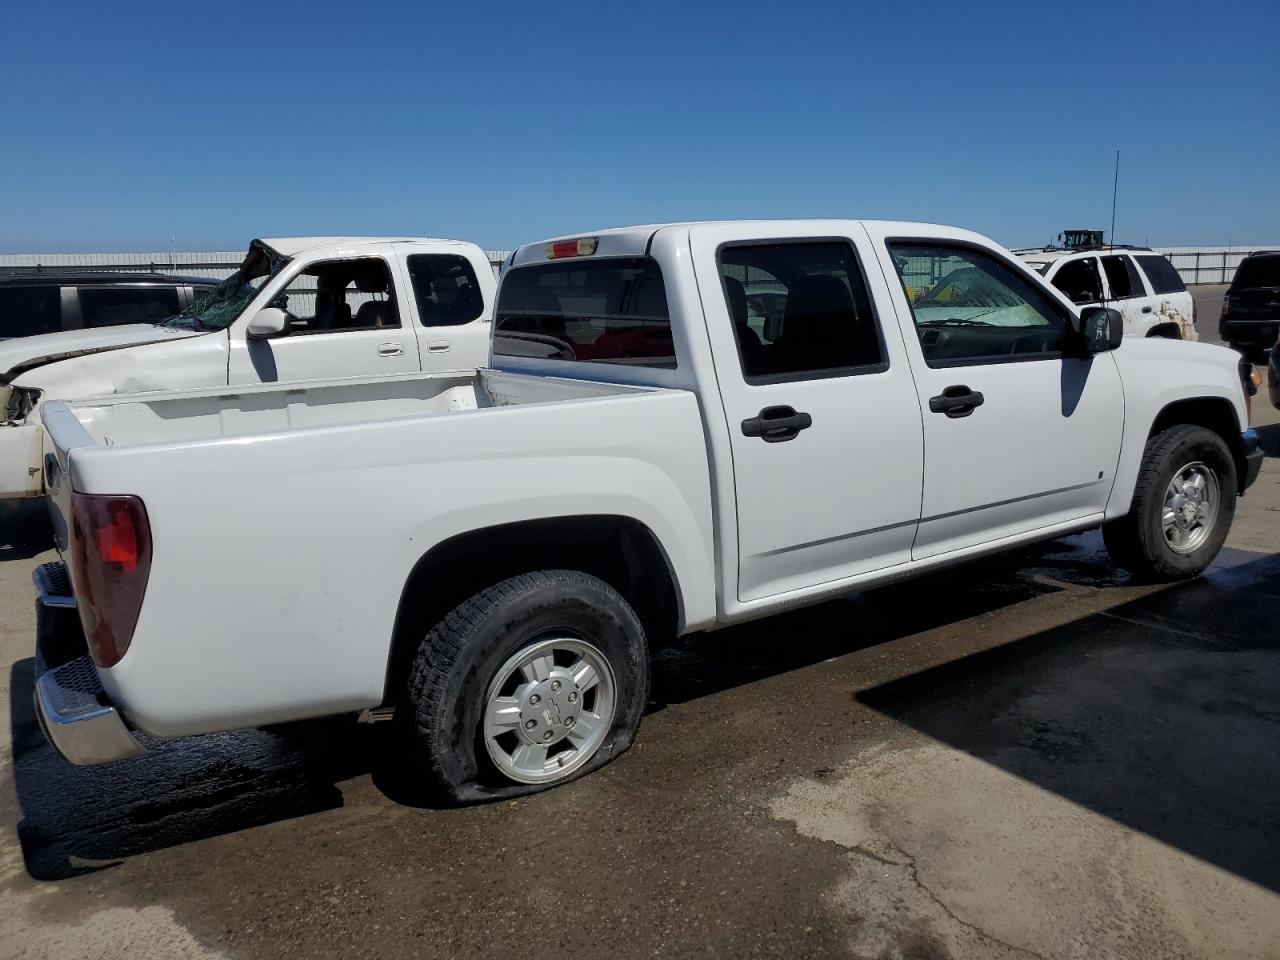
[(339, 307)]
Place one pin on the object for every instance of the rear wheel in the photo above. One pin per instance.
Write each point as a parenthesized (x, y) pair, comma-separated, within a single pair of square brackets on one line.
[(1182, 508), (528, 684)]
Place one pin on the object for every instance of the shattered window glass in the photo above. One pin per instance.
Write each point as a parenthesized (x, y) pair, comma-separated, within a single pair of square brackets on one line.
[(218, 308)]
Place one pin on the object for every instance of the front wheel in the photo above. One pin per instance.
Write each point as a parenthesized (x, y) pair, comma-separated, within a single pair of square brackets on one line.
[(526, 685), (1183, 506)]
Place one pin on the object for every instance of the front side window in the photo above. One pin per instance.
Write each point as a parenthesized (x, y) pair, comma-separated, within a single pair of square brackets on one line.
[(799, 309), (26, 311), (1122, 277), (1079, 280), (1163, 275), (612, 310), (340, 295), (445, 286), (113, 306), (980, 310)]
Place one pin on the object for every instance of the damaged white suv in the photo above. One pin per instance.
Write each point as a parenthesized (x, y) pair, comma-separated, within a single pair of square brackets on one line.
[(1140, 283)]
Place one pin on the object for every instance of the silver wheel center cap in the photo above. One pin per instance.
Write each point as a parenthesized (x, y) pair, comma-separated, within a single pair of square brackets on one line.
[(548, 710)]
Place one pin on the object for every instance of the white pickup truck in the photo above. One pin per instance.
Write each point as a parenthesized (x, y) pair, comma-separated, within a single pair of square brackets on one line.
[(300, 308), (684, 427)]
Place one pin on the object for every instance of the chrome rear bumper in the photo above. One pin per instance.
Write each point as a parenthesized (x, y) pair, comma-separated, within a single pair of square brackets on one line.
[(73, 709), (77, 719)]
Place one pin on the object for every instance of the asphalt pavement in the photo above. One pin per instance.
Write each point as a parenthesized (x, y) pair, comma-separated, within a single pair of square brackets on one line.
[(1027, 757)]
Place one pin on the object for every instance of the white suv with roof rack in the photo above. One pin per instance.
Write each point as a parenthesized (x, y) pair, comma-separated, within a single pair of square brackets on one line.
[(1142, 284)]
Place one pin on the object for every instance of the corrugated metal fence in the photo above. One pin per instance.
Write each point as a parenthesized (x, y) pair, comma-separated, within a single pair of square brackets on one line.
[(217, 265), (1211, 264), (1195, 264)]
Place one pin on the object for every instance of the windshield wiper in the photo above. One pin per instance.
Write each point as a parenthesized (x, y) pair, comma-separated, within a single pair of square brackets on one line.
[(952, 322)]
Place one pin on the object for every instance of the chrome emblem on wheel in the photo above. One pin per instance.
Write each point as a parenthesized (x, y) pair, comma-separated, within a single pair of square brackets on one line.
[(548, 709)]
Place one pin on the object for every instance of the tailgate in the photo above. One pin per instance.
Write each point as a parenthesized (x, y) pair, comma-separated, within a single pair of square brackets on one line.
[(65, 433)]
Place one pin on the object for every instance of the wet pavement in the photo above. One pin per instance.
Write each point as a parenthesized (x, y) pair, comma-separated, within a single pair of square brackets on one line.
[(1025, 757)]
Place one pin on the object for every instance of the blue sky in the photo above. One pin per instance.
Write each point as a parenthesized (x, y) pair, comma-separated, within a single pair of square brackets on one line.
[(123, 124)]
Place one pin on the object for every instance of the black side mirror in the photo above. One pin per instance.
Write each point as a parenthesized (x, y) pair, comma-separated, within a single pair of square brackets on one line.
[(1101, 328)]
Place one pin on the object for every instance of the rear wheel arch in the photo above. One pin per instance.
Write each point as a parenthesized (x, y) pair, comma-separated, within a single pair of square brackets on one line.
[(620, 550), (1169, 331)]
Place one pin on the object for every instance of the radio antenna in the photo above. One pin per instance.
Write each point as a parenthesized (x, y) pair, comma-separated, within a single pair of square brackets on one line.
[(1115, 187)]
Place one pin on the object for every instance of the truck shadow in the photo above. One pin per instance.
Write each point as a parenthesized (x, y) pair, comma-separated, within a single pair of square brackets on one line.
[(76, 820), (1160, 714)]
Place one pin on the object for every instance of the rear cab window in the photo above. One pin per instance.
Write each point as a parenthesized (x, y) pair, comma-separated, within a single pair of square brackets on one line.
[(1162, 274), (611, 310)]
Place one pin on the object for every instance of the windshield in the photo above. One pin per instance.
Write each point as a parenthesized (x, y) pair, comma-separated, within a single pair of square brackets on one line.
[(218, 308)]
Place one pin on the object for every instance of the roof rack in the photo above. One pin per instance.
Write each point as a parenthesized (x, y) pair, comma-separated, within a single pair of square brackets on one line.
[(1095, 247)]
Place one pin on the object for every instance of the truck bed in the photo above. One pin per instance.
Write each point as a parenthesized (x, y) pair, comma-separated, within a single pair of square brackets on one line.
[(221, 412), (285, 521)]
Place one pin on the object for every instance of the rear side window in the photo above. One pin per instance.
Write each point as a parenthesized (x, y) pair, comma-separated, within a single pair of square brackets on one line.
[(1164, 278), (799, 310), (1122, 277), (607, 311), (1255, 272), (113, 306), (1079, 280), (26, 311), (446, 289)]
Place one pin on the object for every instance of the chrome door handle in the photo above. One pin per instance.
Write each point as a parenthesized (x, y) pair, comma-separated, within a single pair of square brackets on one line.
[(390, 350), (438, 346)]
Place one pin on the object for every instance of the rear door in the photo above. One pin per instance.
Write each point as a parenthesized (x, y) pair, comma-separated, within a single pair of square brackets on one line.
[(450, 315), (1170, 301), (824, 422), (1018, 437)]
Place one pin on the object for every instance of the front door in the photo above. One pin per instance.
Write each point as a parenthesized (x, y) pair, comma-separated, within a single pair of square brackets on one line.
[(1018, 437), (1126, 293), (344, 321), (824, 423)]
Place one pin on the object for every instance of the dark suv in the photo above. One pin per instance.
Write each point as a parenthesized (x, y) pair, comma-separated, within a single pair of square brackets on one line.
[(45, 302), (1251, 309)]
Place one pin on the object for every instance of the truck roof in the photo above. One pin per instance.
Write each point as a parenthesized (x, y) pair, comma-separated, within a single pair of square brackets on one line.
[(292, 246), (634, 241)]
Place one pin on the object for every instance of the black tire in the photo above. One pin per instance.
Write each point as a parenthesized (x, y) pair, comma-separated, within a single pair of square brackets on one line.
[(461, 654), (1136, 541)]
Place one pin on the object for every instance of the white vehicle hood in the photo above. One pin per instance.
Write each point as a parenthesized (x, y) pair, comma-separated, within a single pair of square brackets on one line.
[(25, 353)]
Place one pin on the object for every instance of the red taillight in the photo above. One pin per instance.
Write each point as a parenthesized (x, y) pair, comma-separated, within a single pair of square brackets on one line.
[(582, 247), (110, 548)]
